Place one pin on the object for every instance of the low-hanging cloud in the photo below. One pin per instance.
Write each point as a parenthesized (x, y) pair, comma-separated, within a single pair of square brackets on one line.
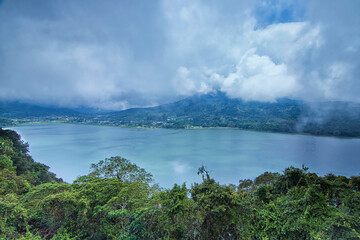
[(116, 54), (259, 78)]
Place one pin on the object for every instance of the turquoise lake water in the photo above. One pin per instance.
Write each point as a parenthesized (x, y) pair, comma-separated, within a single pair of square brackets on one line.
[(173, 156)]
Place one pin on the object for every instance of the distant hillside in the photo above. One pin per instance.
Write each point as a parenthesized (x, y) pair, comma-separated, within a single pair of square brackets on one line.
[(14, 110), (214, 110), (218, 110), (211, 110), (13, 113)]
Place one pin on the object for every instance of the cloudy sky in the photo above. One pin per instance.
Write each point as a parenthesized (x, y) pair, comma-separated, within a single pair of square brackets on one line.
[(121, 54)]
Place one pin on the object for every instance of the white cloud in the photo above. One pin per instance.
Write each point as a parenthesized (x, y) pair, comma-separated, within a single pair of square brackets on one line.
[(118, 55), (288, 59), (242, 61), (186, 86), (259, 78)]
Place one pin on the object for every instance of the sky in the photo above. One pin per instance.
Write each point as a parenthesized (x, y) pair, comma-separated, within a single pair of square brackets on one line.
[(121, 54)]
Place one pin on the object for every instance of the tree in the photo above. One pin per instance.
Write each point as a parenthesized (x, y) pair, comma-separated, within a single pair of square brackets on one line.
[(221, 210), (266, 178), (10, 183), (202, 170), (120, 168), (13, 217), (245, 184), (292, 177), (176, 213), (6, 152)]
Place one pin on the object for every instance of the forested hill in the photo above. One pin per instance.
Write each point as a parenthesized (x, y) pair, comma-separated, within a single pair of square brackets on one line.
[(218, 110), (215, 110), (118, 200), (211, 110)]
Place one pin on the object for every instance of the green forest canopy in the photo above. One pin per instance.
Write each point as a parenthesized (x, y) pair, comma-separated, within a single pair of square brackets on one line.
[(117, 200)]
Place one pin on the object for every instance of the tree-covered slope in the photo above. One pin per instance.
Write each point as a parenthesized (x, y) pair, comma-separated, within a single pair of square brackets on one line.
[(214, 110), (218, 110), (14, 157), (117, 200)]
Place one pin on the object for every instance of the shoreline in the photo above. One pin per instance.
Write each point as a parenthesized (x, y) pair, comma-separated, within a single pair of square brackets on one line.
[(191, 128)]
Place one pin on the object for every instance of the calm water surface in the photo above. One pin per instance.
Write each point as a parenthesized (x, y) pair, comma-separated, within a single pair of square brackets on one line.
[(173, 156)]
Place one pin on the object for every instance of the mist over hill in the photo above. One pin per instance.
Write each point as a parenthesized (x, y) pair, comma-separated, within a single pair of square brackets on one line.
[(16, 109), (208, 110)]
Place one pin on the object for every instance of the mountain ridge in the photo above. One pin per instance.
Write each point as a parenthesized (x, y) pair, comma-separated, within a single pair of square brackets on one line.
[(212, 110)]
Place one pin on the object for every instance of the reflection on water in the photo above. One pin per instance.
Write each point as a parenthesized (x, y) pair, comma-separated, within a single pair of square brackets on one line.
[(173, 156)]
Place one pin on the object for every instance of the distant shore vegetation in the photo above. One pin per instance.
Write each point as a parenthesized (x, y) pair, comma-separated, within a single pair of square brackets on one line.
[(339, 119)]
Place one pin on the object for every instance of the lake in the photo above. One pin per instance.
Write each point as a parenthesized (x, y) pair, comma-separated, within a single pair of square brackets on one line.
[(173, 156)]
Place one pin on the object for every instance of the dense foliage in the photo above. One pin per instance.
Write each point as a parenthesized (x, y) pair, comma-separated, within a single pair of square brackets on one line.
[(15, 159), (117, 201), (212, 110)]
